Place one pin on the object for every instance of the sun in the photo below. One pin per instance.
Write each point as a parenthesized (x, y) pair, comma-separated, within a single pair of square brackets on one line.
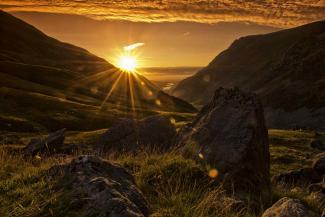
[(127, 63)]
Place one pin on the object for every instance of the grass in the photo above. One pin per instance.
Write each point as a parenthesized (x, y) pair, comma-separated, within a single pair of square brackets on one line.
[(172, 184), (290, 150)]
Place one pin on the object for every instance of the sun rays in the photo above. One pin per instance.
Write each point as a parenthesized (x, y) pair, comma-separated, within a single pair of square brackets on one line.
[(127, 63), (122, 87)]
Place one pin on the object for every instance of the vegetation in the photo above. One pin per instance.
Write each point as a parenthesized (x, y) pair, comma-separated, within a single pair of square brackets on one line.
[(172, 184)]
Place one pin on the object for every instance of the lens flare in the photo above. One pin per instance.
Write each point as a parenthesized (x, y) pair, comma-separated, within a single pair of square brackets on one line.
[(213, 173), (127, 63)]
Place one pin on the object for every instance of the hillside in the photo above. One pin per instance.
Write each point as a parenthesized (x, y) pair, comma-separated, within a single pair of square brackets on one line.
[(286, 68), (46, 84)]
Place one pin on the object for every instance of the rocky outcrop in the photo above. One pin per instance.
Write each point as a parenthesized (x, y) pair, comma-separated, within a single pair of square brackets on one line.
[(128, 135), (286, 207), (278, 66), (54, 143), (232, 138), (107, 188)]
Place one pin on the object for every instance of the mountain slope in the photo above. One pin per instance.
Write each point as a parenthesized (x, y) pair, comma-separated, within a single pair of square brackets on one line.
[(286, 68), (56, 84)]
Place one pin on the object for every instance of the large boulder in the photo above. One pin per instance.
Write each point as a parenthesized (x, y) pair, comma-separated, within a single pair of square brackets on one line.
[(52, 144), (107, 189), (128, 135), (286, 207), (231, 136)]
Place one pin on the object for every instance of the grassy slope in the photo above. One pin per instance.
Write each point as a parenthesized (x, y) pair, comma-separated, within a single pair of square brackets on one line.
[(173, 185)]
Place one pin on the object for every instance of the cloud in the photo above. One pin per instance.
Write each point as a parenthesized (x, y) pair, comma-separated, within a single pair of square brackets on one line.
[(133, 46), (267, 12)]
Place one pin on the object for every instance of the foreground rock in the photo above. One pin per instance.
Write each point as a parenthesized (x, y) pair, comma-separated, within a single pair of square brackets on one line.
[(286, 207), (155, 132), (107, 189), (54, 143), (232, 137)]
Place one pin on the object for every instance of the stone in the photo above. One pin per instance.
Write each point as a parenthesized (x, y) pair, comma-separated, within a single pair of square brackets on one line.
[(231, 137), (128, 135), (297, 177), (286, 207), (52, 144), (107, 188)]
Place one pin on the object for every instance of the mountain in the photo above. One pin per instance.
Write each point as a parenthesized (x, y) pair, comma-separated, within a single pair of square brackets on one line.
[(53, 84), (285, 68)]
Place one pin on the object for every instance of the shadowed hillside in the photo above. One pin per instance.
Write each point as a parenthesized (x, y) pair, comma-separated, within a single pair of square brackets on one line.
[(47, 84), (285, 68)]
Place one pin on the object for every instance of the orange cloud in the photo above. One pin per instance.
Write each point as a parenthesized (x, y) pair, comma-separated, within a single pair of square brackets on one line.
[(268, 12), (133, 46)]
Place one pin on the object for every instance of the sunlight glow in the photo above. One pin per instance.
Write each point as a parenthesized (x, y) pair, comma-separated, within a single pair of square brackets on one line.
[(127, 63)]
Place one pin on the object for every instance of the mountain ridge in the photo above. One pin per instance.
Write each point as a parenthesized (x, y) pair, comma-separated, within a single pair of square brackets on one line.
[(278, 66), (53, 74)]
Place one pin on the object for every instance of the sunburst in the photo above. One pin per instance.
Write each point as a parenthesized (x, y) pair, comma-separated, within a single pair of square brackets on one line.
[(127, 63)]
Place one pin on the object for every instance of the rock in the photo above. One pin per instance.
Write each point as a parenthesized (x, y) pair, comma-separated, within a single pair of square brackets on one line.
[(52, 144), (317, 144), (155, 133), (319, 164), (286, 207), (231, 135), (297, 177), (107, 188)]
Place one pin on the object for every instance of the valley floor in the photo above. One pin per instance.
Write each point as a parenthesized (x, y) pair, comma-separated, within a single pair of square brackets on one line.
[(172, 184)]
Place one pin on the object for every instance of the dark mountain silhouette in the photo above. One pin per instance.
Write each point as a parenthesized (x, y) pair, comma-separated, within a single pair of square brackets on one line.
[(39, 74), (286, 68)]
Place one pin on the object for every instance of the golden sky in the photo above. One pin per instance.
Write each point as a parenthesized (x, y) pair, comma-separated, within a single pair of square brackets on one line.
[(174, 32), (282, 13)]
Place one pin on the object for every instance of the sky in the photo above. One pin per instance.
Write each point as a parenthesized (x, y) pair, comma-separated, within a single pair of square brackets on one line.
[(171, 32)]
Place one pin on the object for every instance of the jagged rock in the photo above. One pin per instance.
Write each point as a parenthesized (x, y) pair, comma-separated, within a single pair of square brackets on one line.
[(155, 132), (319, 163), (300, 177), (52, 144), (231, 135), (108, 189), (286, 207)]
